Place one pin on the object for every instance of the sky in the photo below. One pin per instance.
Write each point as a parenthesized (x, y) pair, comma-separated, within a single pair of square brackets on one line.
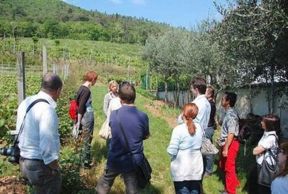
[(177, 13)]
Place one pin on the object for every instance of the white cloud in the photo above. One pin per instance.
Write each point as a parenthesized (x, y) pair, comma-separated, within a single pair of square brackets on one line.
[(117, 2), (138, 2)]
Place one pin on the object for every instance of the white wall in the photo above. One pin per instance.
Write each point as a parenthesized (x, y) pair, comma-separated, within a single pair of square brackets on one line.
[(258, 101)]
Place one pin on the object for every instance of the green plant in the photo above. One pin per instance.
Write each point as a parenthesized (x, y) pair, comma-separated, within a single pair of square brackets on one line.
[(70, 170)]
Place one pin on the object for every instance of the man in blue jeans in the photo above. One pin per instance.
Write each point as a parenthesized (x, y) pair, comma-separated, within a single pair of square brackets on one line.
[(209, 131), (122, 157)]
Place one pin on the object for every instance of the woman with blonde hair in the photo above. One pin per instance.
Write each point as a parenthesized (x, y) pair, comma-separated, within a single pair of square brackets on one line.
[(280, 183), (112, 93), (184, 149)]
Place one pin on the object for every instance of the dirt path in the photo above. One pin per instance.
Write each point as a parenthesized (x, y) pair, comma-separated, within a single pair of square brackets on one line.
[(156, 108)]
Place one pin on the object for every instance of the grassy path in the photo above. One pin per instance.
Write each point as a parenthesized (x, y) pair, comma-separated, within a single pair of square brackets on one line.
[(155, 146)]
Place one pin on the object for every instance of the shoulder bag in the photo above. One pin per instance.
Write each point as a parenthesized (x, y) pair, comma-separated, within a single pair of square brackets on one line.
[(268, 171), (208, 147), (105, 130), (269, 167), (143, 170)]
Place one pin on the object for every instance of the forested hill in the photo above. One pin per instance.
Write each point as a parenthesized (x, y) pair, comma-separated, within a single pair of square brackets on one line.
[(57, 19)]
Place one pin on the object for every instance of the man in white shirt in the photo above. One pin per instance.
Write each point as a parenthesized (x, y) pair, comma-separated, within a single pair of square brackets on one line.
[(39, 140), (198, 88)]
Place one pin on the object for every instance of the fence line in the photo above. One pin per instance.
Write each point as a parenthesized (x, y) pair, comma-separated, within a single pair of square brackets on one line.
[(62, 70)]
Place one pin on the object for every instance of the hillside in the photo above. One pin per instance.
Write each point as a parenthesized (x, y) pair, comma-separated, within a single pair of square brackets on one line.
[(111, 60), (58, 19)]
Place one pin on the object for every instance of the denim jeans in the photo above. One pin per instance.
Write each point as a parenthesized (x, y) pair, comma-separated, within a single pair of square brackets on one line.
[(106, 181), (187, 187), (43, 179), (209, 159), (87, 123)]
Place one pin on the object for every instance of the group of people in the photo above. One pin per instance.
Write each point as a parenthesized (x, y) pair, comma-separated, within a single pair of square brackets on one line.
[(188, 166), (39, 140), (197, 121)]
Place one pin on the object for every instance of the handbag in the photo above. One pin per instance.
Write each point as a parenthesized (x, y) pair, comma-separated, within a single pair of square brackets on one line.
[(268, 170), (105, 130), (143, 170), (208, 147)]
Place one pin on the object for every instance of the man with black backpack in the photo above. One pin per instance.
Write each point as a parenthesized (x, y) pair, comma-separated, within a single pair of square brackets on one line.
[(39, 142)]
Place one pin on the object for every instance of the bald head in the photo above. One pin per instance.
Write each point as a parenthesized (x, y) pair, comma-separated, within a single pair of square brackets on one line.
[(51, 82)]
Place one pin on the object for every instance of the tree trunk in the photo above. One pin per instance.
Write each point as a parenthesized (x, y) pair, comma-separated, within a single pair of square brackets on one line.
[(272, 87), (166, 91), (250, 99), (177, 95), (268, 95)]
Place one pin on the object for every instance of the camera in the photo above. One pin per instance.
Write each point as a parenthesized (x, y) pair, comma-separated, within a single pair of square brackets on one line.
[(12, 152)]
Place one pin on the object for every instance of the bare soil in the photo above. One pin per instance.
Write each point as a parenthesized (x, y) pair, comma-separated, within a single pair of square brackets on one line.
[(12, 185), (155, 107)]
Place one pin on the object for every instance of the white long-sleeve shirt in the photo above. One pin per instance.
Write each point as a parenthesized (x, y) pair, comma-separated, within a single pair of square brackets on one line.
[(186, 158), (40, 138), (204, 110)]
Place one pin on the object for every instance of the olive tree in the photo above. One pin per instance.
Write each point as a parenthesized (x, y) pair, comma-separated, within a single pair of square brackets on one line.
[(253, 35), (162, 52)]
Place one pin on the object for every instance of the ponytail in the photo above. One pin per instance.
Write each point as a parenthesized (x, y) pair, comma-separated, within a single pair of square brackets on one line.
[(191, 127), (190, 111)]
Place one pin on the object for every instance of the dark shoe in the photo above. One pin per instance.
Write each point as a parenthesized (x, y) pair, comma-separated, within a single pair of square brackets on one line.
[(88, 165)]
